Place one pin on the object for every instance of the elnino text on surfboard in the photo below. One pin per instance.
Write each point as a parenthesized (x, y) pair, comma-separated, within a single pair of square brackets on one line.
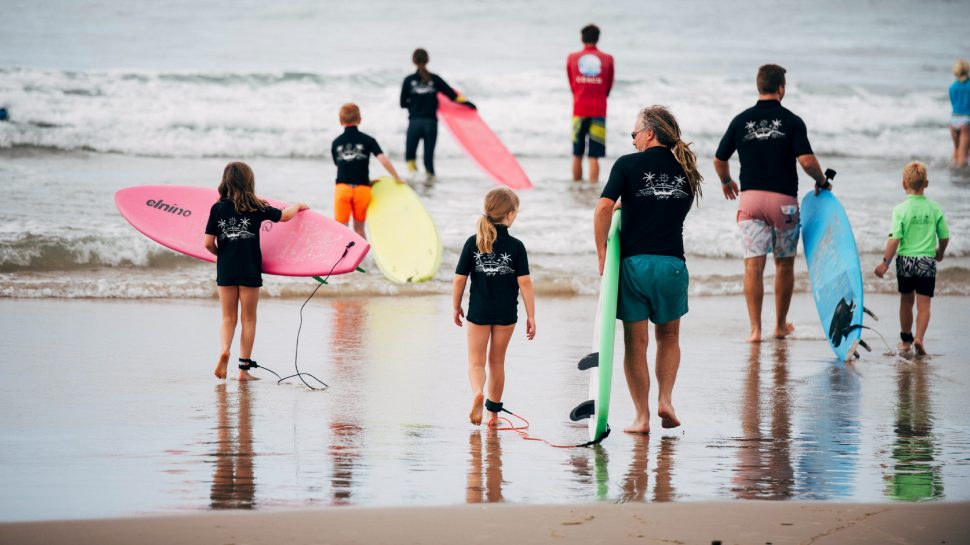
[(170, 208)]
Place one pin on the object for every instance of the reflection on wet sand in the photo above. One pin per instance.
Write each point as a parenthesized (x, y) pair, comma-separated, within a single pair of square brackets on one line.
[(233, 485), (636, 480), (915, 474), (764, 468), (827, 467), (485, 478), (596, 473), (349, 318)]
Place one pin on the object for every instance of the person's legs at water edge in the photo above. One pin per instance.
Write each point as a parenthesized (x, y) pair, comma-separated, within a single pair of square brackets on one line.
[(580, 125), (228, 301), (754, 293), (784, 286), (430, 139), (597, 146), (963, 150), (501, 335), (955, 136), (248, 299), (923, 303), (411, 147), (361, 200), (635, 340), (667, 336), (477, 347)]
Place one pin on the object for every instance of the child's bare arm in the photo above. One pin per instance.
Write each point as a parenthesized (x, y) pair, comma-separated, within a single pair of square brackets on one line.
[(887, 256), (457, 293), (290, 211), (382, 159), (210, 244), (942, 249), (528, 297)]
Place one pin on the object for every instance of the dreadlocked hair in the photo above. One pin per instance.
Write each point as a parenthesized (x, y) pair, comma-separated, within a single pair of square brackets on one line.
[(664, 125), (499, 203), (239, 186)]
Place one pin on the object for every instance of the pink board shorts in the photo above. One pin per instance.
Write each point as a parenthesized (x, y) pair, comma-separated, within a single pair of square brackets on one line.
[(769, 223)]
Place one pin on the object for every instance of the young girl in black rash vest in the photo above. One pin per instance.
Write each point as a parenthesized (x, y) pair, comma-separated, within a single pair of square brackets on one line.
[(232, 235), (499, 267)]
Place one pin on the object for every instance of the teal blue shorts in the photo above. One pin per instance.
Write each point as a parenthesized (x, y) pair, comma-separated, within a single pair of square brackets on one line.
[(652, 287)]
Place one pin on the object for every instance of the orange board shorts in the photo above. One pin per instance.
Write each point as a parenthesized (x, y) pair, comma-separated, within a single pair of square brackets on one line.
[(349, 198)]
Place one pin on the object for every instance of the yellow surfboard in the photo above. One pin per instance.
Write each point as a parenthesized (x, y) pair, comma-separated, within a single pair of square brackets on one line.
[(404, 240)]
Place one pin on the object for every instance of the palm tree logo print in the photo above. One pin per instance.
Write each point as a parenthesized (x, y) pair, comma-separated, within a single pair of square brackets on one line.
[(763, 130), (493, 264), (235, 230), (662, 187)]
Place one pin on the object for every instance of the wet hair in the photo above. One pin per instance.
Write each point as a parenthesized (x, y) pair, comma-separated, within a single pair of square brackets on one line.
[(239, 186), (420, 59), (771, 77), (590, 34), (914, 175), (499, 203), (664, 125), (961, 69), (349, 114)]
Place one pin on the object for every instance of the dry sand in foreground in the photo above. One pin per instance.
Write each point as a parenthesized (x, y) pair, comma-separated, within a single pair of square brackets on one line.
[(686, 523)]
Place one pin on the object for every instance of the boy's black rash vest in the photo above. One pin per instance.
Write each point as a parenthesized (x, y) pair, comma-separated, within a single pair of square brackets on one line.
[(421, 98)]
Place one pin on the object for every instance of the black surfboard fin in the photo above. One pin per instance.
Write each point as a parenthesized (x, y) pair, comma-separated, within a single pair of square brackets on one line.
[(584, 410), (865, 345), (589, 361), (361, 270), (870, 313)]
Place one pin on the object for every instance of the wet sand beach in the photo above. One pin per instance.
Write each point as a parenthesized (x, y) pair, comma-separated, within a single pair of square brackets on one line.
[(111, 410)]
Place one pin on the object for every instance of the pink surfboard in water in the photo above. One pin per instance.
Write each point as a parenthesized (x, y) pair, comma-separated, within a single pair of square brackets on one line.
[(481, 144), (175, 217)]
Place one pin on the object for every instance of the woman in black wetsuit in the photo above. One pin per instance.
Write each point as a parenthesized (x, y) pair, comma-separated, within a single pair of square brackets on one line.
[(419, 94)]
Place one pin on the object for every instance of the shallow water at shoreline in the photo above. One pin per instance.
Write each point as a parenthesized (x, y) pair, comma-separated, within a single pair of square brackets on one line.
[(111, 410)]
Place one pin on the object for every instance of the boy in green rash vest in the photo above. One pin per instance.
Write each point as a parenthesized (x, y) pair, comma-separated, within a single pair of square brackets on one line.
[(917, 225)]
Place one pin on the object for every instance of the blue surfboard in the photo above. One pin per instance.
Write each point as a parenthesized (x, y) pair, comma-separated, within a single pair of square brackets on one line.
[(834, 271)]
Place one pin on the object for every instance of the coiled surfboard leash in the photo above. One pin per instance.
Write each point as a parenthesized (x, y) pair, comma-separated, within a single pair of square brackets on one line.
[(247, 364), (495, 424)]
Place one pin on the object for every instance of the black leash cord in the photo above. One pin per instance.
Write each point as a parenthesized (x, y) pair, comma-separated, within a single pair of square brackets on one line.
[(296, 350)]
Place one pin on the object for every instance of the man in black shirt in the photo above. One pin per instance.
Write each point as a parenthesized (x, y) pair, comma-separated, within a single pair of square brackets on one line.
[(351, 153), (769, 140), (656, 187)]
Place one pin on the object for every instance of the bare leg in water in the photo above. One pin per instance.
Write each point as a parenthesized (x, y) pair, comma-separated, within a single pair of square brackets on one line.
[(229, 302), (668, 362), (248, 299), (501, 335), (477, 348), (635, 339)]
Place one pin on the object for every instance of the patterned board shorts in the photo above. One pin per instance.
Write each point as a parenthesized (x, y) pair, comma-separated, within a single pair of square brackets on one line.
[(916, 273), (769, 223)]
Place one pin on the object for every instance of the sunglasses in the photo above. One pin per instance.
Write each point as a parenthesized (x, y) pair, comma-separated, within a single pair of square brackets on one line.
[(634, 134)]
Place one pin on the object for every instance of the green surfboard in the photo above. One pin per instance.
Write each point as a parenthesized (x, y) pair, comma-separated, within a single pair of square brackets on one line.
[(600, 361)]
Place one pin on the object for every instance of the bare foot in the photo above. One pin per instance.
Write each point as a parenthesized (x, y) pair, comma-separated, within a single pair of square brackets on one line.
[(904, 347), (222, 365), (475, 417), (639, 425), (918, 347), (668, 418), (781, 333), (244, 376), (755, 336)]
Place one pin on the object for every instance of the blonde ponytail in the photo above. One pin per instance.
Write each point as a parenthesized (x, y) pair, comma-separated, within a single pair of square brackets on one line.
[(485, 235), (499, 203)]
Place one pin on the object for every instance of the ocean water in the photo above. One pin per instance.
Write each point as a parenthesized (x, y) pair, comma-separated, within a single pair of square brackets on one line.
[(102, 96)]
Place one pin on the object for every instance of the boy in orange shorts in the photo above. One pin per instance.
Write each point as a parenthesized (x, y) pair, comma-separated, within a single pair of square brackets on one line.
[(351, 153)]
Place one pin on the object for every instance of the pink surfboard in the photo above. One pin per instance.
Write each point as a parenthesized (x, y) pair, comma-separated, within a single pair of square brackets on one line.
[(481, 144), (175, 217)]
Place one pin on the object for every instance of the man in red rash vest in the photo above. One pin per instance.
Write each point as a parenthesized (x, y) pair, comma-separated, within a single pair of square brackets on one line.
[(590, 74)]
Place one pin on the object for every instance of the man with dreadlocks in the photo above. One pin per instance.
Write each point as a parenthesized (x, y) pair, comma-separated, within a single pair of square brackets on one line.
[(656, 187), (769, 139)]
